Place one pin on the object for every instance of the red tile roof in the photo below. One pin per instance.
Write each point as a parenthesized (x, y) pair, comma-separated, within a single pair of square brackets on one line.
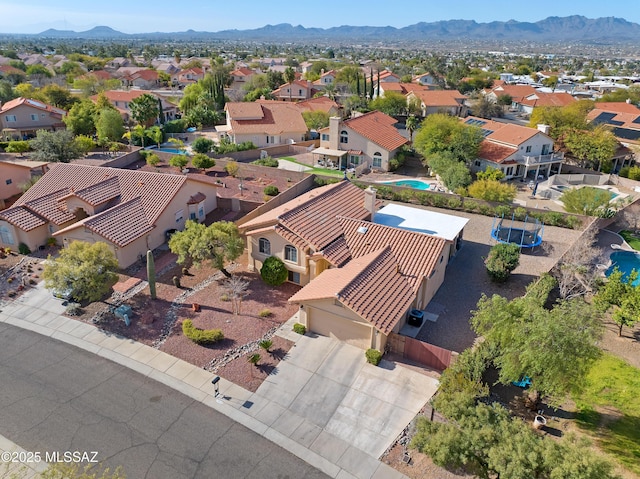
[(11, 104), (359, 285), (98, 193), (494, 152), (516, 92), (508, 134), (440, 98), (377, 127), (619, 107), (120, 225), (22, 217), (266, 117), (321, 103), (404, 88), (549, 99)]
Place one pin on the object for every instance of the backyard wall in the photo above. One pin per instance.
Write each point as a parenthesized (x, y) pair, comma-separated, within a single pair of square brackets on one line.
[(280, 150)]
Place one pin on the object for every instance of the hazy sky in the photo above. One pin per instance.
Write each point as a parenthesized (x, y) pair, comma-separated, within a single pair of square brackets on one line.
[(139, 16)]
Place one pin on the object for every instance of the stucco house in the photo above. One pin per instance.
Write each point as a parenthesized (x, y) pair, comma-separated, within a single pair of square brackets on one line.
[(541, 99), (23, 117), (371, 138), (145, 79), (121, 99), (129, 210), (361, 276), (14, 173), (518, 151), (321, 103), (264, 122), (439, 101), (295, 91)]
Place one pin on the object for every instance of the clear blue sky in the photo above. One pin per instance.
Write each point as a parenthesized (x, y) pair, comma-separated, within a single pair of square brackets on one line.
[(139, 16)]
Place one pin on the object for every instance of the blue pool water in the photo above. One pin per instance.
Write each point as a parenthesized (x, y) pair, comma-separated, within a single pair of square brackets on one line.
[(175, 151), (625, 261), (416, 184)]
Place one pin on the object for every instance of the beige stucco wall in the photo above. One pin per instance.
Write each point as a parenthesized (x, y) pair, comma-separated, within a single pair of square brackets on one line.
[(33, 239), (25, 123), (256, 259), (16, 175), (260, 140)]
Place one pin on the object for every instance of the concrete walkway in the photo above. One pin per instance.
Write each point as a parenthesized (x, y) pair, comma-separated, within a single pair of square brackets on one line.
[(25, 470), (340, 434)]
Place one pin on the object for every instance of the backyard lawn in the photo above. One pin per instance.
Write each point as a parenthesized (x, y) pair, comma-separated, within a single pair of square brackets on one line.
[(631, 238), (609, 408), (313, 169)]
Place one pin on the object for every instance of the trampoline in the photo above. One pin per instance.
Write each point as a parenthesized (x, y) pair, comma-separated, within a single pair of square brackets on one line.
[(526, 233)]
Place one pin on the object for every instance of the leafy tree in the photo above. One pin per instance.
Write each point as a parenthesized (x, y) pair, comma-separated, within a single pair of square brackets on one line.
[(178, 161), (90, 84), (19, 147), (453, 173), (289, 77), (156, 134), (504, 100), (392, 103), (555, 347), (201, 116), (218, 243), (86, 269), (144, 109), (202, 145), (6, 91), (502, 260), (85, 144), (25, 90), (492, 190), (561, 119), (81, 118), (232, 168), (38, 71), (109, 124), (54, 146), (619, 294), (202, 161), (551, 82), (316, 120), (484, 107), (586, 200), (273, 271), (441, 133), (591, 147), (57, 96), (490, 173), (153, 159)]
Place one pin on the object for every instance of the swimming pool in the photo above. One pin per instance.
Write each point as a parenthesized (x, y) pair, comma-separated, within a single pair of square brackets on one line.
[(415, 184), (175, 151), (625, 261)]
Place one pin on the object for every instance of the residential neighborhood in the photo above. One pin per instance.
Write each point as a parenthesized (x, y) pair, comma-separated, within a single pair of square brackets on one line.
[(355, 255)]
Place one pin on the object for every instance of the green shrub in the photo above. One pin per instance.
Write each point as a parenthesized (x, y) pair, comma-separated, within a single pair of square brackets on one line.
[(553, 218), (634, 173), (254, 359), (322, 181), (587, 200), (439, 201), (225, 297), (201, 336), (178, 161), (520, 213), (423, 198), (502, 260), (268, 161), (271, 190), (232, 168), (265, 344), (384, 192), (373, 356), (144, 154), (299, 328), (454, 202), (202, 161), (73, 309), (503, 210), (265, 313), (492, 190), (23, 249), (202, 145), (175, 126), (624, 171), (153, 159), (273, 271)]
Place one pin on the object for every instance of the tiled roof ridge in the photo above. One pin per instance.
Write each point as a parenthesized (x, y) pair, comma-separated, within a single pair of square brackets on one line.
[(377, 257), (331, 190)]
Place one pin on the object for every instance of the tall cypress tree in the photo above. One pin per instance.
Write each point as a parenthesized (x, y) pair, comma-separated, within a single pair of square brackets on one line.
[(371, 85), (358, 84)]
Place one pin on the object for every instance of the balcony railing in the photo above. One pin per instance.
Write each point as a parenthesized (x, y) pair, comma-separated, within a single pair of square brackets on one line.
[(542, 159)]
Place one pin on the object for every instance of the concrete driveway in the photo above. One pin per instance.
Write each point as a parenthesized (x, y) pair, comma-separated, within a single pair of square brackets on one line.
[(333, 400)]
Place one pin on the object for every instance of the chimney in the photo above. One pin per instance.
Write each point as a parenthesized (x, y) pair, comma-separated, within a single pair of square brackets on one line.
[(370, 201), (544, 128), (628, 101), (334, 132)]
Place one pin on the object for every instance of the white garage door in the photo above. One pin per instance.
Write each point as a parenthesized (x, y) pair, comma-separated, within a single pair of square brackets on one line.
[(351, 332)]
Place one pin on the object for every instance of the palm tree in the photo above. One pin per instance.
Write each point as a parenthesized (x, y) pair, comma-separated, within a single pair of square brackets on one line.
[(412, 123), (156, 133), (138, 131), (289, 77)]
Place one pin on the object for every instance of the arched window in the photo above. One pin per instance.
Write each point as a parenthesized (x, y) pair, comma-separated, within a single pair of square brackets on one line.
[(264, 246), (377, 160), (291, 253), (344, 136)]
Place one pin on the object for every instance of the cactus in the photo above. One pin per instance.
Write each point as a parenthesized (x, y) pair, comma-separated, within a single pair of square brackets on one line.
[(151, 274)]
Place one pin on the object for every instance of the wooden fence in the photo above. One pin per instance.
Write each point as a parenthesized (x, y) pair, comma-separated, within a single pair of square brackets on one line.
[(420, 352)]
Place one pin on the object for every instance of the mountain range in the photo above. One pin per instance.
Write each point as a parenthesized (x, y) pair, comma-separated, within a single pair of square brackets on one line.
[(574, 28)]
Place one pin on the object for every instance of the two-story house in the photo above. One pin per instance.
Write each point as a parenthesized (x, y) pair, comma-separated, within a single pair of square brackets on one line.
[(361, 276), (121, 100), (265, 123), (370, 139), (14, 173), (295, 91), (518, 151), (129, 210), (23, 117)]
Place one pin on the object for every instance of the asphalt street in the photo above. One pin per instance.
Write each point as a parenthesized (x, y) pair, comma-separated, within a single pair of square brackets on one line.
[(57, 398)]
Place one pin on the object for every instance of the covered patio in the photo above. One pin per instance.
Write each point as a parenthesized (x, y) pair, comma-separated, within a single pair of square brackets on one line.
[(329, 158)]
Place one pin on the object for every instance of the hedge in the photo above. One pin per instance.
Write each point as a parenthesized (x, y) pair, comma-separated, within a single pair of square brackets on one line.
[(201, 336)]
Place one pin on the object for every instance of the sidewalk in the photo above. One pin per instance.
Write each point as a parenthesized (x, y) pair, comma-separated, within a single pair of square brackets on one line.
[(29, 470), (256, 412)]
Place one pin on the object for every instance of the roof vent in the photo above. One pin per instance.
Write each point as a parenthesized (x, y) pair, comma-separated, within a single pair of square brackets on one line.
[(362, 229)]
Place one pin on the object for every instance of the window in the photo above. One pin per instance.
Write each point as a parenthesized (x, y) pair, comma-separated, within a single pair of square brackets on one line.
[(294, 277), (291, 253), (325, 137), (264, 246), (179, 216), (377, 160), (300, 92), (354, 159), (528, 150), (509, 171), (5, 235), (9, 181), (344, 137), (34, 117), (192, 215), (11, 118), (546, 149), (477, 163)]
